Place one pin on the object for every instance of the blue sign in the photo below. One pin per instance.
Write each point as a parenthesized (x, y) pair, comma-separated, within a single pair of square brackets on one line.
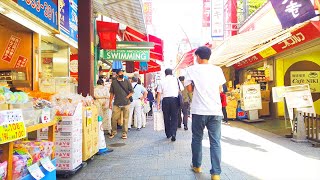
[(73, 19), (46, 10), (291, 12), (64, 16)]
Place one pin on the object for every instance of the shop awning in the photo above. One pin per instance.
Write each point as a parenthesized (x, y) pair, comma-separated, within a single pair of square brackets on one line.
[(127, 12), (156, 54), (240, 45), (152, 67), (300, 34), (188, 58)]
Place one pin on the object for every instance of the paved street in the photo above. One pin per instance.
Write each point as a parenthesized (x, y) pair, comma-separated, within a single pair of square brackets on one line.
[(247, 153)]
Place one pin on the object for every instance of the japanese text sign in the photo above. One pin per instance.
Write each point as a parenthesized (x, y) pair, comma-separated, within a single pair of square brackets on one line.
[(12, 126), (306, 77), (217, 22), (64, 16), (21, 62), (11, 48), (291, 12), (206, 11), (46, 10)]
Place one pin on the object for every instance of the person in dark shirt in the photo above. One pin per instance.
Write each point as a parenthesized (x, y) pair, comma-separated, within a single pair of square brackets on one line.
[(121, 91)]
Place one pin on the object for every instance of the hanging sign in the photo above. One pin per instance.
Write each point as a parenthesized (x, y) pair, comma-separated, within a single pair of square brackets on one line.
[(217, 19), (47, 164), (35, 171), (64, 16), (46, 10), (21, 62), (306, 77), (73, 19), (127, 55), (11, 48), (12, 126)]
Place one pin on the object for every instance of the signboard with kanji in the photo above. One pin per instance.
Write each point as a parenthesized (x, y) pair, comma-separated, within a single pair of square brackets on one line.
[(11, 48), (21, 62)]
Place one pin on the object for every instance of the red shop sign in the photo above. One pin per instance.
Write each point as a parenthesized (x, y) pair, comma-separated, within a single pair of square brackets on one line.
[(21, 62), (11, 48)]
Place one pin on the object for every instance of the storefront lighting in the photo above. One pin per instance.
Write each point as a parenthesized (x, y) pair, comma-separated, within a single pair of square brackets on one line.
[(67, 40), (2, 9), (28, 24)]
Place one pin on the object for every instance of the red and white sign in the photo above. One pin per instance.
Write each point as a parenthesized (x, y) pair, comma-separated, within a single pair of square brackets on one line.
[(11, 48), (206, 11), (300, 36), (74, 66), (46, 60), (147, 9), (21, 62), (230, 12)]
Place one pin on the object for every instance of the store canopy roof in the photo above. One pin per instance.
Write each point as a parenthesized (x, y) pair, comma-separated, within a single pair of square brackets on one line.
[(127, 12), (239, 47), (156, 54), (299, 35), (152, 67), (187, 58)]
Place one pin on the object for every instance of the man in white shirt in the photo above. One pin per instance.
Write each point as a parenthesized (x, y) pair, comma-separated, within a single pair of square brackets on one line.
[(169, 90), (140, 93), (205, 81)]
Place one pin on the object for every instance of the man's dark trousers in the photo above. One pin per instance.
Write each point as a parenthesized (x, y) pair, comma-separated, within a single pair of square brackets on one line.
[(170, 114)]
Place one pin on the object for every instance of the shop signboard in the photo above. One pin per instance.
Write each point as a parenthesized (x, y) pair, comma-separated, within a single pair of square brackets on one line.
[(74, 66), (73, 19), (206, 11), (64, 16), (217, 21), (46, 10), (147, 10), (12, 126), (298, 97), (21, 62), (251, 97), (306, 77), (11, 48), (128, 54), (292, 12)]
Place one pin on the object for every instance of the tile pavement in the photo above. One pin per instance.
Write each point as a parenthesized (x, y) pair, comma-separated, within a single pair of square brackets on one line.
[(247, 153)]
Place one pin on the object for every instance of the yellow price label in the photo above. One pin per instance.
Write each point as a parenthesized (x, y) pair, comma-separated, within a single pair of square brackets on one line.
[(57, 118), (11, 132)]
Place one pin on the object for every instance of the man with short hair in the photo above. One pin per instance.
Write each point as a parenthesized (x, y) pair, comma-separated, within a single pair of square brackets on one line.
[(140, 93), (205, 81), (169, 89), (121, 91)]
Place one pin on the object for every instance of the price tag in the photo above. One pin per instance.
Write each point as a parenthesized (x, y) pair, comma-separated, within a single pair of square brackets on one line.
[(45, 115), (47, 164), (57, 118), (89, 116), (35, 172), (12, 126)]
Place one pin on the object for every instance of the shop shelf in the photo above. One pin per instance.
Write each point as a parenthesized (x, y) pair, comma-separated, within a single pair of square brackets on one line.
[(40, 126)]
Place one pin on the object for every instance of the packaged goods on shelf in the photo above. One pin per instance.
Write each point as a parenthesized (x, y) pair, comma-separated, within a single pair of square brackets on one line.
[(3, 170)]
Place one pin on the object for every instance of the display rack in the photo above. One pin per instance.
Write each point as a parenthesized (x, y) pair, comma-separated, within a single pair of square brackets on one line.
[(8, 147)]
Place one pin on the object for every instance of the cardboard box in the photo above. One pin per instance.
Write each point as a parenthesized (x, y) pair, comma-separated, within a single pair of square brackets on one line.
[(68, 142), (265, 111), (68, 164), (265, 95), (77, 132)]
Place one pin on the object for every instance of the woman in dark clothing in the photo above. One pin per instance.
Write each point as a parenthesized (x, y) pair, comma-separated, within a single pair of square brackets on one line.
[(150, 98)]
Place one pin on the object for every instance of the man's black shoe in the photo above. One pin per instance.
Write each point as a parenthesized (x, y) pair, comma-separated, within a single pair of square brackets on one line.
[(168, 137), (173, 138), (186, 128)]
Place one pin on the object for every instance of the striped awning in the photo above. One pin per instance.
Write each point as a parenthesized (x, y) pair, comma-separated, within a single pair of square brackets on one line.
[(127, 12)]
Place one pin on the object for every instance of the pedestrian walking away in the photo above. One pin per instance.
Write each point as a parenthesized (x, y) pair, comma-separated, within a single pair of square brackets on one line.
[(169, 90), (205, 81), (223, 97), (184, 109), (140, 93), (121, 90)]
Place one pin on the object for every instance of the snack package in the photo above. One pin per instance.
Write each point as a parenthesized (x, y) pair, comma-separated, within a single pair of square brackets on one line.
[(3, 170)]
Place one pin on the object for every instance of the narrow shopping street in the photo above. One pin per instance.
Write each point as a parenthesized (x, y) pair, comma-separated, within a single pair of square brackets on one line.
[(247, 153)]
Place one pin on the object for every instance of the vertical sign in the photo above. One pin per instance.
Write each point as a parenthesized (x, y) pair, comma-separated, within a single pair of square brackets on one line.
[(217, 26), (64, 16), (74, 66), (73, 19), (147, 9), (206, 11), (230, 19), (11, 48)]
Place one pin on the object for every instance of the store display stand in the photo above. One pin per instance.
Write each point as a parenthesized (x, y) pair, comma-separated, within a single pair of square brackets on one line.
[(253, 117), (8, 147)]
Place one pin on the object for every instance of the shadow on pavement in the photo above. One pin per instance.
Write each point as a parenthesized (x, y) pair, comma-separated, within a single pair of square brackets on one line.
[(242, 143)]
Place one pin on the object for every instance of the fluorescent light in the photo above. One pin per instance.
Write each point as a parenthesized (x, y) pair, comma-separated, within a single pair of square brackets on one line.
[(27, 23), (67, 40), (2, 9)]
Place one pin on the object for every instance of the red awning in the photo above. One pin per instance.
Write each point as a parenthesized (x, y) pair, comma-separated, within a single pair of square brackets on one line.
[(188, 57), (304, 34), (156, 54), (152, 67)]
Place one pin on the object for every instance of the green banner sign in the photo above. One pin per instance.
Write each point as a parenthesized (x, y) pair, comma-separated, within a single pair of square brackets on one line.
[(127, 54)]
